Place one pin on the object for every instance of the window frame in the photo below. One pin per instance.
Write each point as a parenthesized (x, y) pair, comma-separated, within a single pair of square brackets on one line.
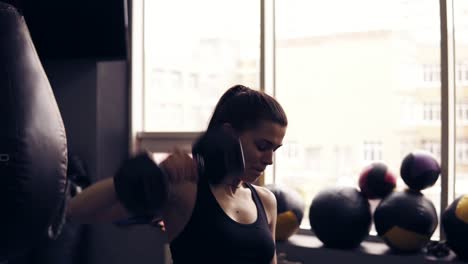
[(165, 141)]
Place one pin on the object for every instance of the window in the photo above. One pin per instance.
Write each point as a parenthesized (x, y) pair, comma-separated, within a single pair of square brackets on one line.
[(193, 51), (431, 74), (462, 151), (462, 113), (431, 113), (372, 151), (339, 75), (361, 81), (409, 112), (312, 159), (432, 146), (461, 73), (461, 93)]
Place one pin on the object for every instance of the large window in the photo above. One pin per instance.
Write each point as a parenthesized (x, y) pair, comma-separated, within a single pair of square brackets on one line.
[(461, 85), (193, 50), (361, 81), (343, 71)]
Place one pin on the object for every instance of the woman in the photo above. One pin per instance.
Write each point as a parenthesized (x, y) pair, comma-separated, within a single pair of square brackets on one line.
[(215, 218)]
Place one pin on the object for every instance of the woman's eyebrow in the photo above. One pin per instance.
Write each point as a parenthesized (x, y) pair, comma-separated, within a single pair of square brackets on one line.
[(272, 144), (277, 147)]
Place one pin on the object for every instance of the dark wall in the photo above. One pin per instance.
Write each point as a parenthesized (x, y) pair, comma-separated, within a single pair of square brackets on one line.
[(93, 99), (82, 47), (74, 86), (77, 29), (112, 116)]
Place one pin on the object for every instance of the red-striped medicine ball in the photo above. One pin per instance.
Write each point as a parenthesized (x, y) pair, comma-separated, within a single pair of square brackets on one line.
[(376, 181)]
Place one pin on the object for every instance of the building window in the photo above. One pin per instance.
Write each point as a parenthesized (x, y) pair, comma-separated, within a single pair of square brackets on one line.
[(462, 151), (431, 112), (461, 73), (312, 158), (462, 113), (372, 151), (431, 74), (432, 146)]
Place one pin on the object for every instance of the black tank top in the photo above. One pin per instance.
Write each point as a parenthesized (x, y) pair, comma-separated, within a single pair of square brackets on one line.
[(211, 236)]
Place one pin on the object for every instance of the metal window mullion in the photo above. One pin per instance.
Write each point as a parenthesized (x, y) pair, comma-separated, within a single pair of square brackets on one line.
[(267, 46), (136, 102), (448, 99), (267, 55), (262, 45), (143, 60), (273, 66)]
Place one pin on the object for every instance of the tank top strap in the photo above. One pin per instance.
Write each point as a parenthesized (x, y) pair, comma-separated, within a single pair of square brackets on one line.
[(258, 202)]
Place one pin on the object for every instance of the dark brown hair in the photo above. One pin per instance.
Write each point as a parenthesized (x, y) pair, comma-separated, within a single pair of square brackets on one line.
[(244, 108)]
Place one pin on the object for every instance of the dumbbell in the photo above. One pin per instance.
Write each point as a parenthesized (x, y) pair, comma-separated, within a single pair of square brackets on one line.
[(142, 186)]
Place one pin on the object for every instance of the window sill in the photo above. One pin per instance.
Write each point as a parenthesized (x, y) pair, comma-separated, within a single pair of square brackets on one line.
[(306, 248)]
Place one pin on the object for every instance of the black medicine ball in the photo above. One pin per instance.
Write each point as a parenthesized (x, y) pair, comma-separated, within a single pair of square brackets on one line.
[(455, 226), (405, 220), (290, 210), (340, 217), (419, 170)]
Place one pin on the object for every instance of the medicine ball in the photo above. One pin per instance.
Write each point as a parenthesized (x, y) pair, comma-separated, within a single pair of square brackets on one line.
[(290, 210), (419, 170), (340, 217), (33, 147), (455, 226), (405, 220), (376, 181)]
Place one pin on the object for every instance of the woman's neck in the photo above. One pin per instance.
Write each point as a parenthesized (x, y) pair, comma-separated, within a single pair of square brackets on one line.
[(231, 185)]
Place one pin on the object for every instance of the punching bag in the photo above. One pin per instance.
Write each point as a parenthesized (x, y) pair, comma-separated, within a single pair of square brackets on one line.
[(33, 147)]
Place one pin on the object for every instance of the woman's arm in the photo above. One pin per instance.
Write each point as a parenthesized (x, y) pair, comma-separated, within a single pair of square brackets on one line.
[(96, 203), (100, 202)]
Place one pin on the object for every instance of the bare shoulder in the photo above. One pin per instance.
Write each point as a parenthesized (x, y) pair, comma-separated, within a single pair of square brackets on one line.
[(267, 197)]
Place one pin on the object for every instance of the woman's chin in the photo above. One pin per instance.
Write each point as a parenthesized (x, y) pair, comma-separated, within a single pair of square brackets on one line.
[(251, 176)]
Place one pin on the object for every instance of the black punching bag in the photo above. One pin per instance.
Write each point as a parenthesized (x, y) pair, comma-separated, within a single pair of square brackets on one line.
[(33, 147)]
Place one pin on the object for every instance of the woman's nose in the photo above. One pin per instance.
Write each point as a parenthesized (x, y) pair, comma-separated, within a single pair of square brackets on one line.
[(268, 157)]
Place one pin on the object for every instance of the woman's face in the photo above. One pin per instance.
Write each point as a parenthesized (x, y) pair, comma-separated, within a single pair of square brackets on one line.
[(258, 145)]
